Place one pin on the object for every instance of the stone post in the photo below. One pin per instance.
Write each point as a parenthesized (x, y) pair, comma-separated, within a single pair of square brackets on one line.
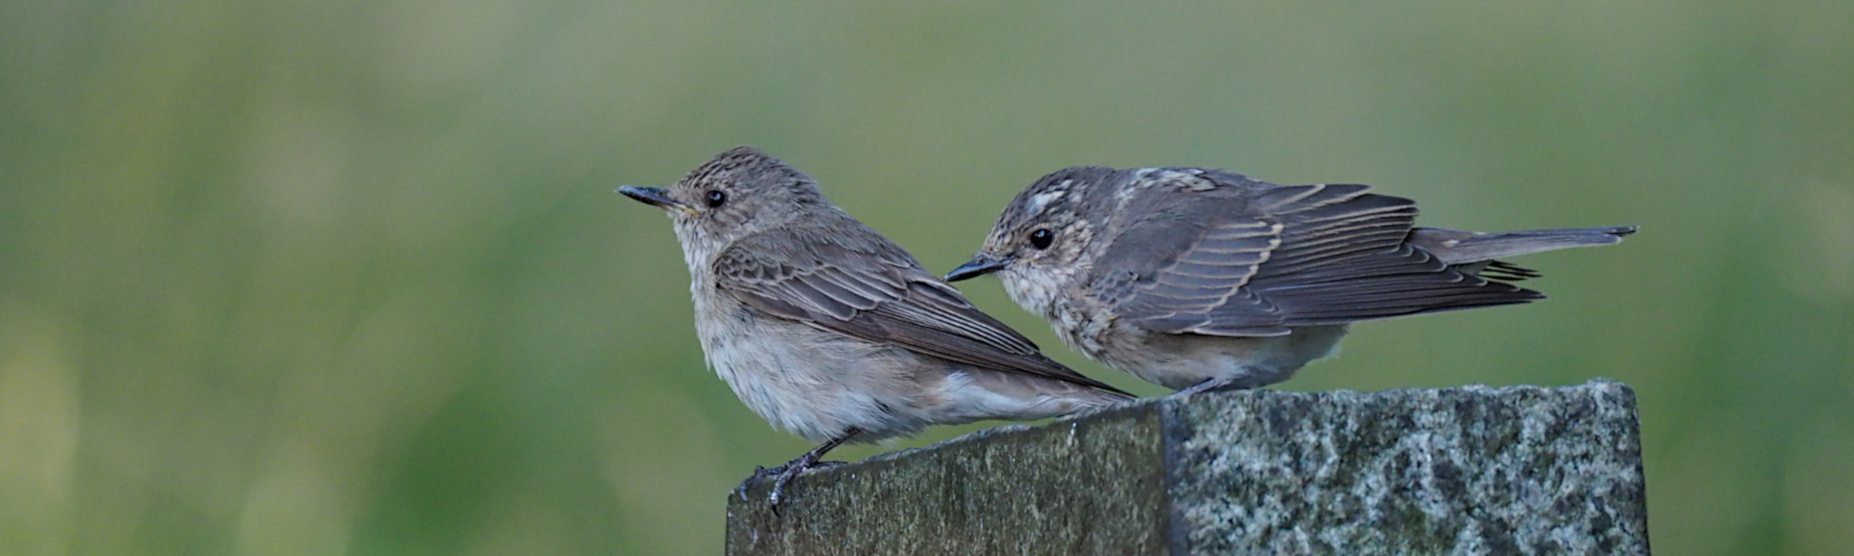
[(1473, 470)]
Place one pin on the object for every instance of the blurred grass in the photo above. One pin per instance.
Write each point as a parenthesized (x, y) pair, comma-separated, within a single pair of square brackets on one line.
[(347, 277)]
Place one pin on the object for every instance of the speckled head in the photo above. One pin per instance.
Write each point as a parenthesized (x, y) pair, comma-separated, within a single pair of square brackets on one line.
[(735, 194), (1044, 225), (1042, 239)]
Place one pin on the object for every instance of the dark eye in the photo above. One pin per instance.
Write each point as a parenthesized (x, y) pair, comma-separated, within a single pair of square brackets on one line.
[(714, 198), (1041, 238)]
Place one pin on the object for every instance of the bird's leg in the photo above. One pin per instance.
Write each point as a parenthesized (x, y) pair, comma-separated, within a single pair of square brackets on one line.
[(761, 473), (1205, 386), (793, 468)]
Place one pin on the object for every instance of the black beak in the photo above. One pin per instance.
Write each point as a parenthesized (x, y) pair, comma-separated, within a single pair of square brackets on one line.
[(654, 196), (980, 265)]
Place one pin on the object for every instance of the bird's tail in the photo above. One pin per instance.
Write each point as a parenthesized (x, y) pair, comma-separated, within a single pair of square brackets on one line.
[(1466, 248)]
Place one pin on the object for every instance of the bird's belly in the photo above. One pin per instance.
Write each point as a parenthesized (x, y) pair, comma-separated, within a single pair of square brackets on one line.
[(810, 382), (1182, 360), (963, 395)]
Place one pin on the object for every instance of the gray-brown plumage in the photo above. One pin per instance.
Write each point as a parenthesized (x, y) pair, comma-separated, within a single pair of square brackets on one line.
[(828, 330), (1189, 277)]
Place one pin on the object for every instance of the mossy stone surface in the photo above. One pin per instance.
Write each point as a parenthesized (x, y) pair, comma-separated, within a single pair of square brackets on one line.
[(1472, 470)]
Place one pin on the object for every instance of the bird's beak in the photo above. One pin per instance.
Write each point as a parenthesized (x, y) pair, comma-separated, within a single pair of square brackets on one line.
[(654, 196), (980, 265)]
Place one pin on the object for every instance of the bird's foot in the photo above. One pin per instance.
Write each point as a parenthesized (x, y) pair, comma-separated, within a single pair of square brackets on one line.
[(760, 473), (778, 472), (786, 473)]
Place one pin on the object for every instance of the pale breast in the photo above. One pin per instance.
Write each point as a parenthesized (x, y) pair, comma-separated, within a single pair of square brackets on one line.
[(811, 382), (1076, 320)]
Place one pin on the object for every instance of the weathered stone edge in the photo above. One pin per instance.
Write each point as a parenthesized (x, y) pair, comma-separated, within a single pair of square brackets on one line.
[(1158, 403)]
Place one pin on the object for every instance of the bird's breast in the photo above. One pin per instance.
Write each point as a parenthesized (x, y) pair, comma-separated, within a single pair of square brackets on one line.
[(811, 382), (1076, 320)]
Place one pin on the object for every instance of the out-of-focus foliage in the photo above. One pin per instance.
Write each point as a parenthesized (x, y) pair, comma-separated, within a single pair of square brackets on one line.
[(348, 277)]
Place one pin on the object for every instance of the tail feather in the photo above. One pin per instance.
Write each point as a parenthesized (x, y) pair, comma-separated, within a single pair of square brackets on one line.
[(1463, 248), (1499, 270)]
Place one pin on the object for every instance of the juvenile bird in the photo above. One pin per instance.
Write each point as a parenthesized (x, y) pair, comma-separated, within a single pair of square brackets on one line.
[(1199, 279), (827, 330)]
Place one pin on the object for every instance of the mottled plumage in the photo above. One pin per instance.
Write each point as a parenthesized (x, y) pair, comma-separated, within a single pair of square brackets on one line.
[(863, 286), (829, 330), (1189, 276)]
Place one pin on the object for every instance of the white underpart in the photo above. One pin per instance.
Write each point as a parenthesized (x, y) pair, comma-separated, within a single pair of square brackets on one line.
[(790, 374), (800, 378), (1037, 289), (695, 249), (964, 400)]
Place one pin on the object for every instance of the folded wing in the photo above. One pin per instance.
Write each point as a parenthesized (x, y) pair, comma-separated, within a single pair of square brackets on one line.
[(874, 291), (1256, 261)]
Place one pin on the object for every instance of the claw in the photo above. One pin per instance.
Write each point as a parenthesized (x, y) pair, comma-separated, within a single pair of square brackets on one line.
[(760, 473), (791, 469), (764, 472)]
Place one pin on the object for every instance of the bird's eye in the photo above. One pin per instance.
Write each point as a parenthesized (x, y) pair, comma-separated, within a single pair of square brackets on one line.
[(714, 198), (1041, 238)]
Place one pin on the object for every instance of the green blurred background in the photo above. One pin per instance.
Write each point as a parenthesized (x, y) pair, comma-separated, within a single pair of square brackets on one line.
[(349, 277)]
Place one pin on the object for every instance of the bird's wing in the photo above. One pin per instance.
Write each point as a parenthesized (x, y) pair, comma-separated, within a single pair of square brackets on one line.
[(866, 287), (1255, 263), (1188, 253)]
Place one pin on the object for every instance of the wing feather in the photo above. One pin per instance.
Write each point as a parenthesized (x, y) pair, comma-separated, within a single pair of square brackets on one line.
[(1252, 259), (874, 291)]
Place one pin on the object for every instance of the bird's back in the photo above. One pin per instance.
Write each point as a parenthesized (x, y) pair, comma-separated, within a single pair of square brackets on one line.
[(1247, 258)]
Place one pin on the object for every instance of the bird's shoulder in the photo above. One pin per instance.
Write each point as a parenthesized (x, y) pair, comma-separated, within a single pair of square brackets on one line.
[(786, 251), (838, 272), (1160, 215)]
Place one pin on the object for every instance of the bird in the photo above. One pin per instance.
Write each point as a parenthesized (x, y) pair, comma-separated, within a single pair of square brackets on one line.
[(1201, 279), (828, 330)]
